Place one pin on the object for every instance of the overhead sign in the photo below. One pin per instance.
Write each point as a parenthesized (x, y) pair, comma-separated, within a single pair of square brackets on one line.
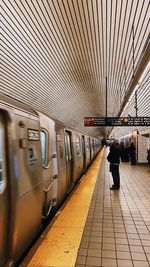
[(116, 121)]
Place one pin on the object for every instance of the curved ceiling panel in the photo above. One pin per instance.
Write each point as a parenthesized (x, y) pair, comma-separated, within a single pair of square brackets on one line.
[(58, 55), (138, 105)]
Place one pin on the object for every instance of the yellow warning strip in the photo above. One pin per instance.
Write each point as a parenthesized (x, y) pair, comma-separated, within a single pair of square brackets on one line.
[(61, 244)]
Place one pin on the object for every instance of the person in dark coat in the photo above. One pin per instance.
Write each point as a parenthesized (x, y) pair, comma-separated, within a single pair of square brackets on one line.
[(127, 153), (148, 155), (132, 154), (123, 155), (114, 159)]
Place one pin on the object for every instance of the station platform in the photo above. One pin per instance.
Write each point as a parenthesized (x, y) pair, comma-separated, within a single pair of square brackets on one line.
[(99, 227)]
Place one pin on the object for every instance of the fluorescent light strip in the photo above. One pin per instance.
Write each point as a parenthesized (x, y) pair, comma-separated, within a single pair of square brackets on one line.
[(137, 85)]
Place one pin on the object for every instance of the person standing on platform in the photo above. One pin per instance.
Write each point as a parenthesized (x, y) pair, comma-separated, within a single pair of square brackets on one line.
[(148, 155), (114, 160), (132, 154), (122, 152)]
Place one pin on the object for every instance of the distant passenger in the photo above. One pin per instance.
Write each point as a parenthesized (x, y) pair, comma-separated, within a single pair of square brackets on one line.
[(123, 152), (127, 153), (132, 154), (114, 159), (148, 155)]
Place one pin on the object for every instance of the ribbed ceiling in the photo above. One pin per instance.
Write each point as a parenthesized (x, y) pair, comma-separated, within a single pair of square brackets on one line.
[(56, 55), (138, 105)]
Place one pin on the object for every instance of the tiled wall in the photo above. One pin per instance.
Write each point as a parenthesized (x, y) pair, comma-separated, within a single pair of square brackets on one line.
[(142, 149)]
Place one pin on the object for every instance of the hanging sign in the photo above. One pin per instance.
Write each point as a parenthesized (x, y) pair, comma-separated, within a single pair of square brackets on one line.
[(116, 121)]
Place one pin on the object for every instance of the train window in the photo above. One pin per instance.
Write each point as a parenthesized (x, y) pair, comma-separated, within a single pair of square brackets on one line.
[(78, 145), (2, 158), (77, 139), (87, 145), (78, 148), (43, 147), (60, 151)]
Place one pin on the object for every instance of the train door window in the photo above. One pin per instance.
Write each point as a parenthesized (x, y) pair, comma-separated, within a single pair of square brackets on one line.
[(44, 141), (2, 158), (87, 145), (78, 145), (59, 139), (69, 146)]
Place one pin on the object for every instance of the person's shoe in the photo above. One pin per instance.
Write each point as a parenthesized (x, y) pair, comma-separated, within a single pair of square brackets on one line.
[(114, 188)]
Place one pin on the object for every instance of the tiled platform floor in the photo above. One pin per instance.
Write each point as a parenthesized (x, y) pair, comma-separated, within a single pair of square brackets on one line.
[(117, 230)]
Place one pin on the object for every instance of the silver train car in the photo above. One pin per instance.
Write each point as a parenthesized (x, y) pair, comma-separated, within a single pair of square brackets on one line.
[(40, 162)]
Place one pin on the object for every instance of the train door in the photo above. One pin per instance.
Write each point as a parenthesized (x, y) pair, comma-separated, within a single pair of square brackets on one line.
[(69, 159), (4, 196), (61, 157), (28, 187), (83, 152), (49, 163)]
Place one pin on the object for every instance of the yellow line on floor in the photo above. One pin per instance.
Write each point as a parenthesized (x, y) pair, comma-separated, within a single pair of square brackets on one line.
[(61, 244)]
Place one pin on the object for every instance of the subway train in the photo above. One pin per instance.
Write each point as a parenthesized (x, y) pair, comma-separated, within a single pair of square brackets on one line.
[(40, 162)]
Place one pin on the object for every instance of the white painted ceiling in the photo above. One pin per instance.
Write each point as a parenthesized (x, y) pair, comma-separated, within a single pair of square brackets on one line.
[(56, 54)]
